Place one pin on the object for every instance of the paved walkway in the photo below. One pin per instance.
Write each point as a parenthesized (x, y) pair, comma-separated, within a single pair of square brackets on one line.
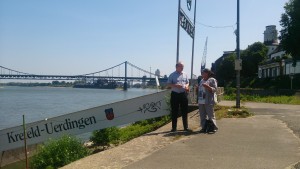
[(259, 142)]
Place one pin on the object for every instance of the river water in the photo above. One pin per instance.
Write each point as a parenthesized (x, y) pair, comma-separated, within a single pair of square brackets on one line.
[(38, 103)]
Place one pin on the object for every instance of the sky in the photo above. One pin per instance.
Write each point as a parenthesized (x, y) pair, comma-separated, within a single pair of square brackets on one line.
[(73, 37)]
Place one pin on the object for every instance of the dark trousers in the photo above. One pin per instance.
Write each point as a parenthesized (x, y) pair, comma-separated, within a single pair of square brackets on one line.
[(179, 99)]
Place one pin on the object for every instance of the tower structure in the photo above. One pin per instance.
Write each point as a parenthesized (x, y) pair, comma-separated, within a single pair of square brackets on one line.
[(271, 35), (271, 38), (157, 72)]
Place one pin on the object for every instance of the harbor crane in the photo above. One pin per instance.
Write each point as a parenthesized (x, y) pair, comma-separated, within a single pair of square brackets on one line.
[(203, 62)]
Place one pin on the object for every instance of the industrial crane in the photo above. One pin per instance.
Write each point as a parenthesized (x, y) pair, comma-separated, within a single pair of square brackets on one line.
[(203, 62)]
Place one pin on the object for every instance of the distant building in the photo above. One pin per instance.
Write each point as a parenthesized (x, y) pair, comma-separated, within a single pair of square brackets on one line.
[(271, 68), (277, 63), (271, 35), (157, 72), (271, 38)]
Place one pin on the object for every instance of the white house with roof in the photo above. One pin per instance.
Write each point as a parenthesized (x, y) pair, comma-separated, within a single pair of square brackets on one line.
[(278, 63)]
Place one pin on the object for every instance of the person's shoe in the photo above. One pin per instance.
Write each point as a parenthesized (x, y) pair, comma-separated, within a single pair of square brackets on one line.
[(173, 130), (202, 131), (212, 131), (187, 129)]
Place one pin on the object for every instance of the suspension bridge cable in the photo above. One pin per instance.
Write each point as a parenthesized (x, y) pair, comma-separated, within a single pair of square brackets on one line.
[(102, 70), (14, 70), (145, 71)]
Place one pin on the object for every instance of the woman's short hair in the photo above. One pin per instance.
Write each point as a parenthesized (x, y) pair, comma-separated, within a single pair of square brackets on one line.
[(206, 70)]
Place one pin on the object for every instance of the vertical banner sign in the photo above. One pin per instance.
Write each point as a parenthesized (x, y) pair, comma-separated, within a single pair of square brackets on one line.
[(114, 114), (184, 18), (184, 11), (189, 4), (186, 23)]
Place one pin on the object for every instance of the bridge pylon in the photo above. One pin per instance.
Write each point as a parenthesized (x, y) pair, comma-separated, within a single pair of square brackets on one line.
[(125, 80)]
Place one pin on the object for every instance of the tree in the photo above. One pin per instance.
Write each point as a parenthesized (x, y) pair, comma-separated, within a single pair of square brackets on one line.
[(290, 34), (251, 57), (225, 72), (55, 82)]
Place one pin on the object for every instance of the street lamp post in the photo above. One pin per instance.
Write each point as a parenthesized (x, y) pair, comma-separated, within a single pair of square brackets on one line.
[(178, 32), (192, 64), (238, 56)]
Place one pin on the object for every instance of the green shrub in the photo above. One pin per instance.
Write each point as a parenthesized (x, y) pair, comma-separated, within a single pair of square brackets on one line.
[(133, 131), (142, 127), (57, 153), (106, 136), (229, 90), (114, 135)]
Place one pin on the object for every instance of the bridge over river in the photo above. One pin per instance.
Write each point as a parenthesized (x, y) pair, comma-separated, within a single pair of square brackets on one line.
[(124, 72)]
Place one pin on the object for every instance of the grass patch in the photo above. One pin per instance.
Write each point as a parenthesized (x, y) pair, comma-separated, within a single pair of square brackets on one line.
[(266, 99), (231, 112), (19, 164)]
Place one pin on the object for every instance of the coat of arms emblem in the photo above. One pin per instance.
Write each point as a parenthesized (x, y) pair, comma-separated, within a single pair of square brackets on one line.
[(109, 113)]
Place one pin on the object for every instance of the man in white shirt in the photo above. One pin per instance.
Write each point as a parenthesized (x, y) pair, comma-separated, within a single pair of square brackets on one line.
[(179, 82)]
